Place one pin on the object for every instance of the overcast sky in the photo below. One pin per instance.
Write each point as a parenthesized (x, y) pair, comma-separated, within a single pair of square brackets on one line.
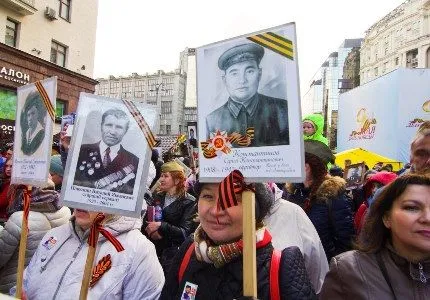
[(145, 36)]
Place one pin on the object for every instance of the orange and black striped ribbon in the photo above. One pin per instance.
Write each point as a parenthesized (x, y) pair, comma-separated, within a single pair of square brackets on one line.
[(207, 152), (97, 227), (228, 188), (27, 191), (274, 42), (140, 120), (45, 99)]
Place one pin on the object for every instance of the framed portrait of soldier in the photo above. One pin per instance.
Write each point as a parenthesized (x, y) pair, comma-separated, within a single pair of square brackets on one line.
[(249, 115), (35, 115), (109, 156), (354, 175)]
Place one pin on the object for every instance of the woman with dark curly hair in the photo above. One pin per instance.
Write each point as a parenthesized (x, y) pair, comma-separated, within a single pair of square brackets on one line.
[(393, 256), (212, 259), (324, 199)]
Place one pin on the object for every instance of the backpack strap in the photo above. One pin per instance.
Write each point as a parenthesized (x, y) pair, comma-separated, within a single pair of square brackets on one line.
[(274, 275), (185, 261)]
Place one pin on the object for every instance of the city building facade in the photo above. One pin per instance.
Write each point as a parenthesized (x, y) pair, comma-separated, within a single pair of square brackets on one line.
[(351, 71), (164, 90), (400, 39), (323, 94), (41, 39)]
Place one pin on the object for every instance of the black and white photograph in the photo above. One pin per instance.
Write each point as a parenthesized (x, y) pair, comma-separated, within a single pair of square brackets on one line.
[(192, 135), (109, 157), (32, 140), (354, 175), (247, 94)]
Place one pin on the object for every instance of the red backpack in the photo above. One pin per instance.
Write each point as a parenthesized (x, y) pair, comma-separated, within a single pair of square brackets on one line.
[(273, 277)]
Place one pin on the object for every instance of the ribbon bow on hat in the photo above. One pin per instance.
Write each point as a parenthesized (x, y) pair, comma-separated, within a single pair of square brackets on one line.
[(229, 187)]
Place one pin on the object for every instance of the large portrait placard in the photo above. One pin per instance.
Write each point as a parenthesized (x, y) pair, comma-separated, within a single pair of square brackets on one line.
[(35, 111), (249, 115), (109, 156)]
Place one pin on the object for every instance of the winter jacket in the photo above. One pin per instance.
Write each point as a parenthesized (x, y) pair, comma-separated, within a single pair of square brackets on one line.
[(383, 178), (331, 213), (39, 223), (318, 121), (56, 269), (176, 226), (355, 275), (226, 282), (290, 226)]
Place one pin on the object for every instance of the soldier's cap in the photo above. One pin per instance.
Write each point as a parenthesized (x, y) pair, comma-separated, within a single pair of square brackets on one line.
[(240, 53), (320, 150), (171, 166)]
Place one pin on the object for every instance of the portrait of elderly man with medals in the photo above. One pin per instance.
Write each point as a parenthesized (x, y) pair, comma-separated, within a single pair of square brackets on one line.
[(106, 164), (246, 110)]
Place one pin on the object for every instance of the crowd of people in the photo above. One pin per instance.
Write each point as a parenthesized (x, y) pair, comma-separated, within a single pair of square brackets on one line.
[(314, 240)]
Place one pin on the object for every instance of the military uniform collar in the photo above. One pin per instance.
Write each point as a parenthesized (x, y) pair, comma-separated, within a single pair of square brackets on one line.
[(250, 105)]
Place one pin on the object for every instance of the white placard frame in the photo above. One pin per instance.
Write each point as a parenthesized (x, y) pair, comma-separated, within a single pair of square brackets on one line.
[(31, 163), (263, 163), (86, 132)]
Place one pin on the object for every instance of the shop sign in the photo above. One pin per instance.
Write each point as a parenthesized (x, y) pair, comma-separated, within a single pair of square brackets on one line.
[(15, 76)]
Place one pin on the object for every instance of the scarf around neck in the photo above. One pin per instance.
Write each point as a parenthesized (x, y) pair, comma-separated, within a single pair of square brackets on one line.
[(220, 255)]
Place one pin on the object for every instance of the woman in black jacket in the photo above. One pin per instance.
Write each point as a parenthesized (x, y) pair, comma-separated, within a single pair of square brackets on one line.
[(174, 211), (212, 259), (325, 201)]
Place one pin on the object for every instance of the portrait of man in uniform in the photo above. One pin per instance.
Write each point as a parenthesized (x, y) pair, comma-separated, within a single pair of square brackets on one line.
[(106, 164), (32, 123), (245, 107)]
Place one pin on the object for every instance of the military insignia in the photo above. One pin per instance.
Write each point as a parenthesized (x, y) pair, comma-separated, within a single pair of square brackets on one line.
[(97, 165), (50, 243), (81, 168), (91, 154), (94, 158), (100, 269), (88, 165), (221, 142), (91, 171)]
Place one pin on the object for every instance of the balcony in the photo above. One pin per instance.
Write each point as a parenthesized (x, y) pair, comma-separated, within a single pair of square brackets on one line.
[(22, 7)]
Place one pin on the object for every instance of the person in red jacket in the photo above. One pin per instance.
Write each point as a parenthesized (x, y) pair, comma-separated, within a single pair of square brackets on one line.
[(4, 188), (371, 191)]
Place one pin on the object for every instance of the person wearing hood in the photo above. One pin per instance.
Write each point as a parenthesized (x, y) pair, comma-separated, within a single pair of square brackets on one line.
[(290, 226), (57, 267), (44, 215), (313, 126), (371, 190), (324, 199)]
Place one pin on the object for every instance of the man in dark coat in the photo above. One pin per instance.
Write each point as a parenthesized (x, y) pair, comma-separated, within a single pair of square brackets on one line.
[(106, 164), (246, 108)]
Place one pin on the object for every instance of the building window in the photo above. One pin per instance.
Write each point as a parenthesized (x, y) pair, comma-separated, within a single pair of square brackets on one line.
[(376, 71), (58, 54), (11, 36), (166, 107), (64, 9), (60, 108), (412, 58), (162, 128), (397, 61), (168, 129)]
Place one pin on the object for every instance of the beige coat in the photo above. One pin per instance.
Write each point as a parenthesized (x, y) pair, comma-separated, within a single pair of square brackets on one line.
[(356, 275)]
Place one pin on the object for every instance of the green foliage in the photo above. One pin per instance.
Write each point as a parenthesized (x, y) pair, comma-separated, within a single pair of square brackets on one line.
[(7, 105)]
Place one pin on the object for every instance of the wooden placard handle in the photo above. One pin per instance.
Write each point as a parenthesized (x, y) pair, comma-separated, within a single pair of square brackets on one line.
[(249, 248), (23, 245), (88, 271)]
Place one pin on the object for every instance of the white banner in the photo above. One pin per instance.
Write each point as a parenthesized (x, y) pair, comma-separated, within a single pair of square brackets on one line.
[(383, 115)]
